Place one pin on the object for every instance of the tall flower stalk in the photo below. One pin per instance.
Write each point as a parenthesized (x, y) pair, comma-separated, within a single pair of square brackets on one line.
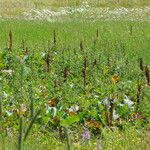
[(86, 136)]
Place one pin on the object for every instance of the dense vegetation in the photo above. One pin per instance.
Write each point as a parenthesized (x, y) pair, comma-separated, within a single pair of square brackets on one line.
[(75, 77), (74, 85)]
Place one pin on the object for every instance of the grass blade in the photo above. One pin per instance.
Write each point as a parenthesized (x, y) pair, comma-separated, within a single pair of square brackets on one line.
[(31, 124), (20, 133)]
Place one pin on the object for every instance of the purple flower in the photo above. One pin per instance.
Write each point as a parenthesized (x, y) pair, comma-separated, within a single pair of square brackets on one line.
[(99, 146), (86, 134)]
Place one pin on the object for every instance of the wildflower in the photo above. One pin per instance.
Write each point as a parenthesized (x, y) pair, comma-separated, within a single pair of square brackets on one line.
[(86, 134), (52, 110), (127, 101), (115, 115), (115, 78), (43, 54), (99, 146), (7, 71), (22, 110), (74, 108), (106, 102)]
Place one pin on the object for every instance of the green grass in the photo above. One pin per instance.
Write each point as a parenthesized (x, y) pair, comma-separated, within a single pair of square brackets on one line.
[(70, 33), (129, 139), (117, 49)]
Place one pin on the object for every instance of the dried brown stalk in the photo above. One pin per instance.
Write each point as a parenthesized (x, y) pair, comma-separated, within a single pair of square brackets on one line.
[(141, 64), (138, 95), (66, 73), (54, 37), (147, 75), (84, 71), (10, 41), (81, 46)]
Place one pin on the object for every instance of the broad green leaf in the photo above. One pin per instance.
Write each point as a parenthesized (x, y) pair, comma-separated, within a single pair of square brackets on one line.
[(69, 120)]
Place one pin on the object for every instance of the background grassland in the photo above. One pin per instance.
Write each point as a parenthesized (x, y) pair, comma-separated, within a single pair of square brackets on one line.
[(64, 3), (69, 34), (16, 7)]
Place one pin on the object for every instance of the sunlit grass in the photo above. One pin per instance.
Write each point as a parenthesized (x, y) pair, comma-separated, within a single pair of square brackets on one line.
[(16, 8), (129, 139)]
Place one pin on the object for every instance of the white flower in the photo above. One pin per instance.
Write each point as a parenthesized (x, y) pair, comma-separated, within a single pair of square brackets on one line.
[(9, 113), (74, 108), (8, 71), (106, 102), (51, 109), (115, 115), (43, 54), (127, 101)]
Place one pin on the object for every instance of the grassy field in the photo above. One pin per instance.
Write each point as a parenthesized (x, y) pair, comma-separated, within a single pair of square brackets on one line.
[(65, 3), (15, 8), (74, 84), (75, 66)]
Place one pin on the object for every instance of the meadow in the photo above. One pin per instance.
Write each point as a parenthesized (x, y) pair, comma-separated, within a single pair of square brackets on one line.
[(74, 84)]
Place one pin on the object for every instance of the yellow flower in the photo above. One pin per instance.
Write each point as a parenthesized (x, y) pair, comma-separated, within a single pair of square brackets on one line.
[(115, 78), (22, 110)]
